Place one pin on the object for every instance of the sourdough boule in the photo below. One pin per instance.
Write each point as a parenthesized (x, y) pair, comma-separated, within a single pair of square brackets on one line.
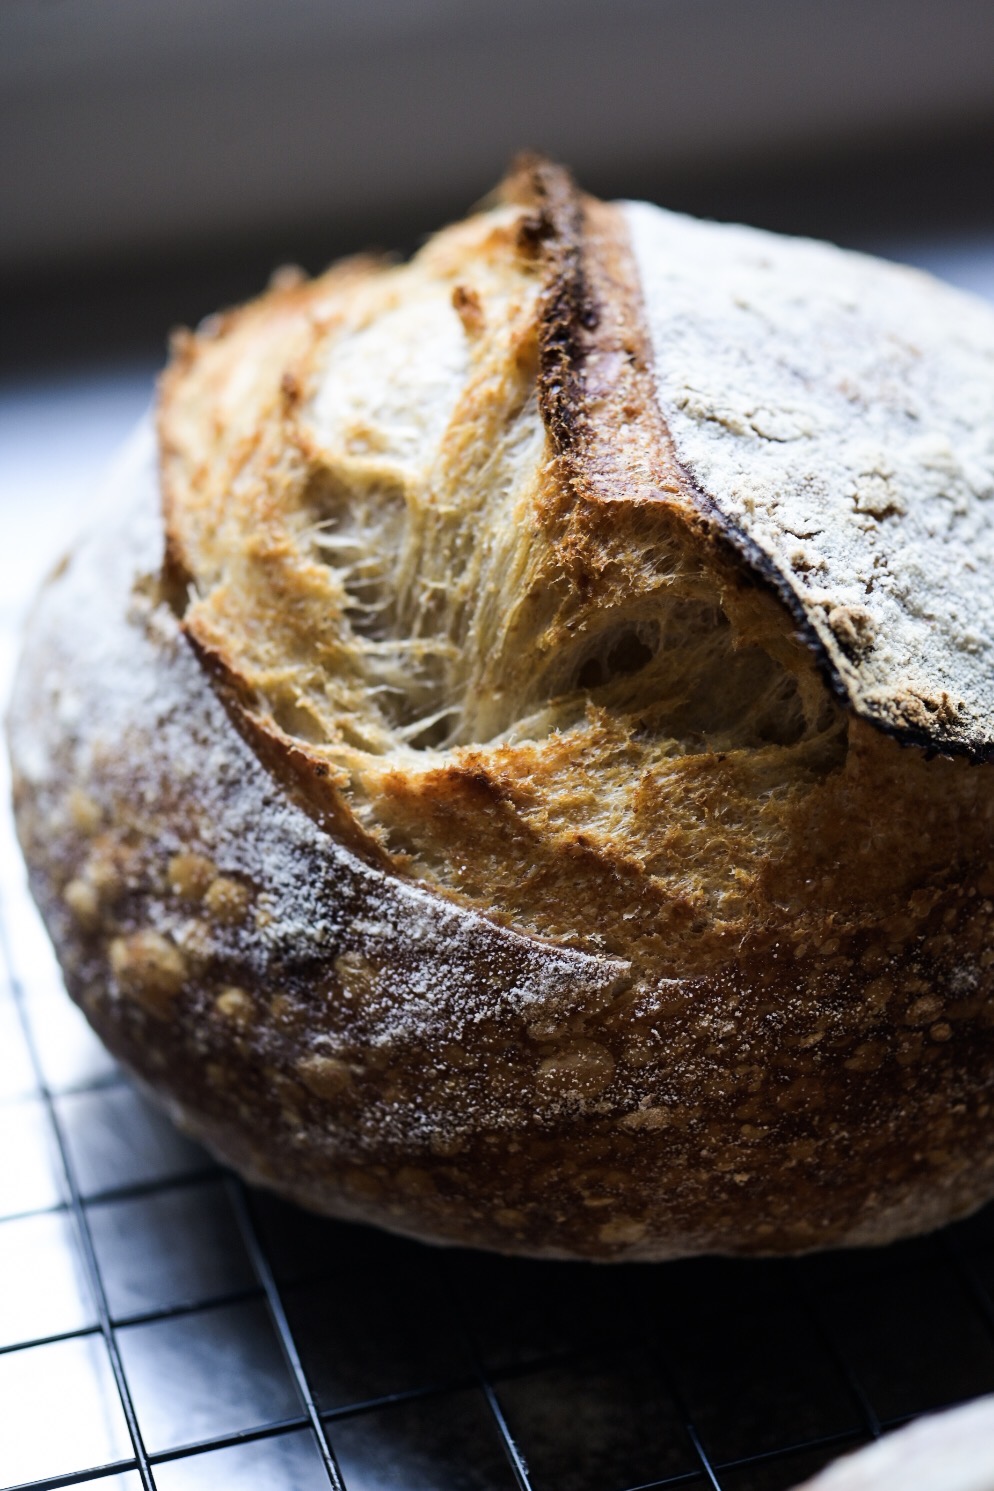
[(513, 763)]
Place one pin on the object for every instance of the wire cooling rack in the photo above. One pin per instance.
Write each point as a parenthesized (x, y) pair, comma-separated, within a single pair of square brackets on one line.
[(163, 1326)]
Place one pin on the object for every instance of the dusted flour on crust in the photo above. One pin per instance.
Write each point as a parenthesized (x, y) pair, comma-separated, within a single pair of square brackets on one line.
[(136, 721), (435, 797), (838, 412)]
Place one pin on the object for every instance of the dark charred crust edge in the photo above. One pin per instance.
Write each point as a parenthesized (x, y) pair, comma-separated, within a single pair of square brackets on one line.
[(570, 313), (554, 231), (303, 777)]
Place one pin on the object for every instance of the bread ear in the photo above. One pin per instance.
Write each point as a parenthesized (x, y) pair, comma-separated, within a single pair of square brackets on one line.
[(834, 412)]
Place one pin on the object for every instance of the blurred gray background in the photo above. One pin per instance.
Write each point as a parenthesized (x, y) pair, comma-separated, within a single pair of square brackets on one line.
[(157, 156)]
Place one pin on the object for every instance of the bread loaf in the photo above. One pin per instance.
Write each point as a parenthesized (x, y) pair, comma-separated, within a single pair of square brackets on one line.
[(515, 763), (951, 1451)]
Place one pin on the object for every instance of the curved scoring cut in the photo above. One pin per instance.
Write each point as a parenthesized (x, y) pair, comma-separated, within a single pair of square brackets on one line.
[(462, 580), (839, 414)]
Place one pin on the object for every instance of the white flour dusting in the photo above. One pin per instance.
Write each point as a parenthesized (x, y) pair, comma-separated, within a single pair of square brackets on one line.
[(839, 412), (136, 708)]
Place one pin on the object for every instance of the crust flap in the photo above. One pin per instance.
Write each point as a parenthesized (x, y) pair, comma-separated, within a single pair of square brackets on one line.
[(836, 414)]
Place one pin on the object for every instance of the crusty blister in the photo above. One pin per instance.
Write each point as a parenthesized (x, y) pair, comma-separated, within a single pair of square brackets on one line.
[(512, 767)]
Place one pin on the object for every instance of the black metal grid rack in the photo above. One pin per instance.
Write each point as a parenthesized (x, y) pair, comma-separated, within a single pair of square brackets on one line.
[(162, 1326)]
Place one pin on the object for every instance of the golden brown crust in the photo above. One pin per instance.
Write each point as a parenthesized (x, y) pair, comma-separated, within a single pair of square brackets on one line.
[(650, 948), (614, 533), (830, 1087), (452, 1083)]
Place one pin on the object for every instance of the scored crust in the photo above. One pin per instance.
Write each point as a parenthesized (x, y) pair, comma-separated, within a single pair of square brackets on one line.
[(838, 413), (542, 882)]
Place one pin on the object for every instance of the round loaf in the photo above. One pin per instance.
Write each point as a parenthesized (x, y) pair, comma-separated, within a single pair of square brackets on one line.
[(951, 1451), (514, 762)]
